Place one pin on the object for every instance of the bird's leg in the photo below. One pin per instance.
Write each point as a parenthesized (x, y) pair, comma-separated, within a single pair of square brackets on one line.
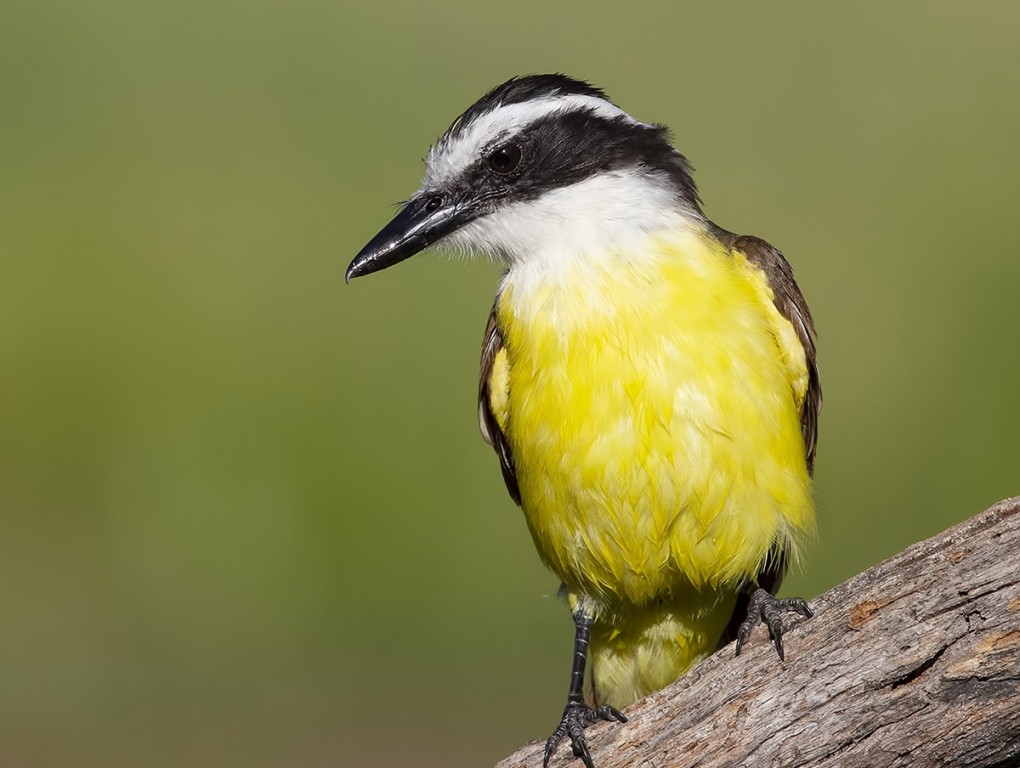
[(577, 715), (766, 608)]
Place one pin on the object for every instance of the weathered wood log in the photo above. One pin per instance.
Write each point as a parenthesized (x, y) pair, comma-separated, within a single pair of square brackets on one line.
[(915, 662)]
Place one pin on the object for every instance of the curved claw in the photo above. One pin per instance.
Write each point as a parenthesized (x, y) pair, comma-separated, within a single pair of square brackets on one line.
[(764, 607), (554, 741), (607, 713), (579, 746)]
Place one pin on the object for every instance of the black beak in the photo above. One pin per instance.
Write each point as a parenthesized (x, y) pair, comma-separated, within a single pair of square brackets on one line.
[(422, 222)]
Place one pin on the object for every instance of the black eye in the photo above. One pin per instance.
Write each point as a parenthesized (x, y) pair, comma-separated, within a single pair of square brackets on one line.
[(433, 204), (505, 159)]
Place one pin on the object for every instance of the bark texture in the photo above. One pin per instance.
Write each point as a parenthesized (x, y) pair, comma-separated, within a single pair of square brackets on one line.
[(915, 662)]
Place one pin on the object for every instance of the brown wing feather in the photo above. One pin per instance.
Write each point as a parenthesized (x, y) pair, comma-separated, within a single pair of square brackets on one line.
[(492, 343), (790, 303)]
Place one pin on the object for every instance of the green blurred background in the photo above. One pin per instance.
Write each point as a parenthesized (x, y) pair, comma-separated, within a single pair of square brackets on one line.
[(247, 518)]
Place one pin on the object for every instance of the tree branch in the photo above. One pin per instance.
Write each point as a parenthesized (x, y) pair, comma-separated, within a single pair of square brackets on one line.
[(915, 662)]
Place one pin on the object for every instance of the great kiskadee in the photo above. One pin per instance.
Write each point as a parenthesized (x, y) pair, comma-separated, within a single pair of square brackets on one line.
[(648, 380)]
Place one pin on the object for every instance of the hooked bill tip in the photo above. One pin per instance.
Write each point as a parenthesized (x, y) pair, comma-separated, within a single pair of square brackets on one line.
[(353, 270)]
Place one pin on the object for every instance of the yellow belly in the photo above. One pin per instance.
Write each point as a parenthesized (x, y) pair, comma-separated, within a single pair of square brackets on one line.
[(652, 409)]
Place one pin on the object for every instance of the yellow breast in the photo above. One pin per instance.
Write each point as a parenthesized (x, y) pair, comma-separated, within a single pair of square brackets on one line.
[(651, 402)]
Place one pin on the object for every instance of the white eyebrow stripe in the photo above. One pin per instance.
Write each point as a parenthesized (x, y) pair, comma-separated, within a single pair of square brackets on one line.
[(450, 157)]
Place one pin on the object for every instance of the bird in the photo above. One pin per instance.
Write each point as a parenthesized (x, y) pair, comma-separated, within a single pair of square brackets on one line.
[(648, 380)]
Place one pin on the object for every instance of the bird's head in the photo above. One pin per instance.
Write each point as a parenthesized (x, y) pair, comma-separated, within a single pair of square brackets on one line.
[(538, 164)]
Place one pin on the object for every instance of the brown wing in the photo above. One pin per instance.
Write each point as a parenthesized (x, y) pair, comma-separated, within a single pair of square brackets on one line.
[(492, 343), (790, 303)]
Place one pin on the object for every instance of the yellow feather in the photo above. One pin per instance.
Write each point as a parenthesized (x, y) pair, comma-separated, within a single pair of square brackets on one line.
[(651, 401), (499, 389)]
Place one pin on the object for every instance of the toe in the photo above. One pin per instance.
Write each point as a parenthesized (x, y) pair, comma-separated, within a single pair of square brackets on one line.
[(796, 605), (581, 750)]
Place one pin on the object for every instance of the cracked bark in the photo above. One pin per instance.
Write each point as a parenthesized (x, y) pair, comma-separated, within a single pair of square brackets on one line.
[(915, 662)]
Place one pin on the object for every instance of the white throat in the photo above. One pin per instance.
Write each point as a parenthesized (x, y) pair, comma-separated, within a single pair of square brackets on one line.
[(608, 216)]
